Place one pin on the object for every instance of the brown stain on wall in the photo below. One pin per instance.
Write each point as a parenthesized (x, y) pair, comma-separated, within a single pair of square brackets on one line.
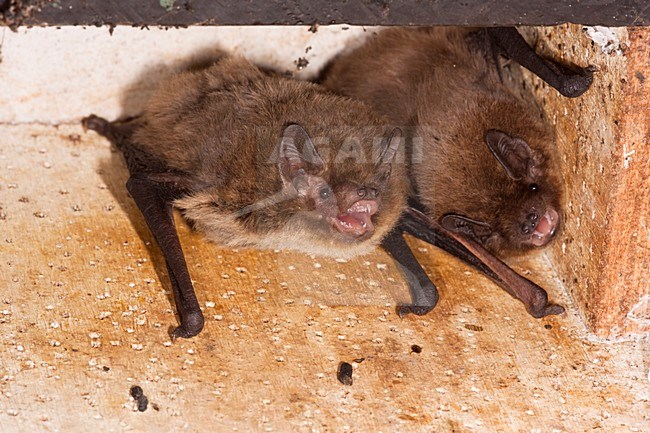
[(625, 278)]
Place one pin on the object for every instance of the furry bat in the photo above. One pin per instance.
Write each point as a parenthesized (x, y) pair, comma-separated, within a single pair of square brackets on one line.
[(481, 158), (243, 155)]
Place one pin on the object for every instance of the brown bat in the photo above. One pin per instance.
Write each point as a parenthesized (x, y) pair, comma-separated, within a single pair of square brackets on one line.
[(256, 160), (482, 160)]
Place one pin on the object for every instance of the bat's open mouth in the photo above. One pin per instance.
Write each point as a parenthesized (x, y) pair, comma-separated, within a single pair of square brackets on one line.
[(356, 220), (546, 228)]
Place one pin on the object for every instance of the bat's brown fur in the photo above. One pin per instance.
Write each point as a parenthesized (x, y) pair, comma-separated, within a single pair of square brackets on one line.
[(442, 85), (221, 126)]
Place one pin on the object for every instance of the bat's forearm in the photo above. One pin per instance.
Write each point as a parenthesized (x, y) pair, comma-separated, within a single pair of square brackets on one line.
[(424, 294), (470, 251), (157, 212), (515, 47)]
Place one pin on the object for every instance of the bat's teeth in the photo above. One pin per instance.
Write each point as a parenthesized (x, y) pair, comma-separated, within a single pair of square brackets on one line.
[(363, 207), (359, 208)]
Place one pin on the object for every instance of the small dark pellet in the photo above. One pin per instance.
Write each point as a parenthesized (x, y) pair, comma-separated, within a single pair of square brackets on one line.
[(136, 392), (416, 349), (547, 326), (143, 401), (344, 374)]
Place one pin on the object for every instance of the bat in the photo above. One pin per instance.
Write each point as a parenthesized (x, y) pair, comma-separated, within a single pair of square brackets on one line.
[(483, 168), (252, 159)]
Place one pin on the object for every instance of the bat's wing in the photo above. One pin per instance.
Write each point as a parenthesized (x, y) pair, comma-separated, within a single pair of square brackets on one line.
[(566, 81), (153, 189), (471, 252)]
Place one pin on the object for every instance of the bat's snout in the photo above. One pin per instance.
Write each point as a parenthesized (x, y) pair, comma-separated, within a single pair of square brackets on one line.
[(541, 229)]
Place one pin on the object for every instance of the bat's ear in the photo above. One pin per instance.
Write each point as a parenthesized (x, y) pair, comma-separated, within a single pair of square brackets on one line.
[(478, 230), (513, 154), (388, 153), (291, 161)]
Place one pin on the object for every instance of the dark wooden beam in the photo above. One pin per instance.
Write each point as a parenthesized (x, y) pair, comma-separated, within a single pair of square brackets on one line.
[(287, 12)]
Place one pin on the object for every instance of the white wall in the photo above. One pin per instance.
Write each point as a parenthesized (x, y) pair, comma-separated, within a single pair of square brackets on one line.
[(51, 75)]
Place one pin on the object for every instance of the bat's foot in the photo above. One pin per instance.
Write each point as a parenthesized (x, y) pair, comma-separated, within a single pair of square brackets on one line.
[(418, 310), (573, 86), (96, 123), (191, 325)]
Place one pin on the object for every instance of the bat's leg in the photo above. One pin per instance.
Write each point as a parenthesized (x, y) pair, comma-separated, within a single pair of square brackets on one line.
[(424, 294), (533, 296), (156, 208), (564, 80)]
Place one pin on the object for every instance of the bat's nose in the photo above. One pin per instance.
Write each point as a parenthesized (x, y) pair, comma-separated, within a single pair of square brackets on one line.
[(530, 223)]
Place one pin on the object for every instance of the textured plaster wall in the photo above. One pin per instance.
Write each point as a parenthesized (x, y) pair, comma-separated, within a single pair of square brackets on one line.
[(50, 75), (60, 75), (603, 254)]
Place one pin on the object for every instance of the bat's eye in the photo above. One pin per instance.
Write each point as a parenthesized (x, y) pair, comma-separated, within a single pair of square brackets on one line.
[(533, 187), (325, 192)]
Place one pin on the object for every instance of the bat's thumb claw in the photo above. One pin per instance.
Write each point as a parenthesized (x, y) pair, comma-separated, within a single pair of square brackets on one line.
[(403, 310), (95, 123), (548, 310)]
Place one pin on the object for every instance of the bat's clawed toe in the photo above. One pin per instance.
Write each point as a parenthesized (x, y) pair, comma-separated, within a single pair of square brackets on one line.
[(191, 325)]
